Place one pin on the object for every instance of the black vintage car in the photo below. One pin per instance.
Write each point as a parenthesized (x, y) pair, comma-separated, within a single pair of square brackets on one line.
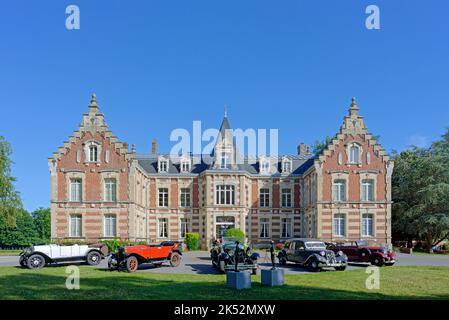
[(312, 254), (224, 258)]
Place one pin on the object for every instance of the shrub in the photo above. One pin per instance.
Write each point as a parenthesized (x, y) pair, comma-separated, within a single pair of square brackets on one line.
[(235, 233), (114, 244), (192, 241)]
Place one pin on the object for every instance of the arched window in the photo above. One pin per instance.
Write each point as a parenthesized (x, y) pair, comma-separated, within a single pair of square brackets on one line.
[(93, 153), (354, 151)]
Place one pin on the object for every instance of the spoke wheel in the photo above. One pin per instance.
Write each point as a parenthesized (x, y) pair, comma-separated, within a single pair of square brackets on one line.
[(93, 258), (132, 264), (175, 259), (36, 261)]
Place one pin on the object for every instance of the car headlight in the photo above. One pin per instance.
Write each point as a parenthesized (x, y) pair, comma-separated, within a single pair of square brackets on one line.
[(322, 253), (340, 253)]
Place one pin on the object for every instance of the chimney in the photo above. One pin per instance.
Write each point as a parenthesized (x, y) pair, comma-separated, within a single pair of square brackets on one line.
[(303, 149), (126, 146), (154, 146)]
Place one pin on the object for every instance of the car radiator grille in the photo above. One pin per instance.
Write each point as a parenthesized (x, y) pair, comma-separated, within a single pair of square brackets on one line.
[(330, 257)]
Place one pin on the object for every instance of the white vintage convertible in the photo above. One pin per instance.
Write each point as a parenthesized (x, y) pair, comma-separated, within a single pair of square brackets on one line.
[(36, 257)]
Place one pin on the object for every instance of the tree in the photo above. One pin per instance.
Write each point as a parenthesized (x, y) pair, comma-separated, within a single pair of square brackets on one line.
[(319, 146), (10, 203), (235, 233), (42, 223), (421, 194), (22, 234)]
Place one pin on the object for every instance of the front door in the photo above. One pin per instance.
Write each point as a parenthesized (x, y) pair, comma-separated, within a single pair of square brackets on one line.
[(223, 223)]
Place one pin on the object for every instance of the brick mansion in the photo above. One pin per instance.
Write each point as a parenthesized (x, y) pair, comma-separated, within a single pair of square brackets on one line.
[(100, 189)]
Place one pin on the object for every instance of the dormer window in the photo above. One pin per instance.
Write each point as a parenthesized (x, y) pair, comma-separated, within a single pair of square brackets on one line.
[(225, 160), (354, 152), (163, 165), (286, 165), (185, 164), (264, 166)]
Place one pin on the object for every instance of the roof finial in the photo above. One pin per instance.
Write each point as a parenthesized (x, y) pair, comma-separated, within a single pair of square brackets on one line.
[(93, 101), (354, 108), (133, 148), (225, 110)]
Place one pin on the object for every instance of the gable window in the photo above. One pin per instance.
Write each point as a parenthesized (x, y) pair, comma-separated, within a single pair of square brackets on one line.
[(367, 190), (76, 190), (185, 197), (163, 165), (93, 153), (264, 197), (163, 197), (110, 190), (75, 226), (286, 224), (354, 151), (339, 225), (339, 190), (162, 228), (264, 228), (225, 160), (367, 225), (286, 198), (185, 227), (110, 226), (225, 195)]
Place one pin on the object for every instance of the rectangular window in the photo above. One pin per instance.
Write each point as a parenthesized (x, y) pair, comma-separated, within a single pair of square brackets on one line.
[(185, 227), (367, 190), (93, 154), (110, 226), (339, 225), (163, 166), (163, 197), (75, 226), (264, 228), (286, 228), (110, 190), (286, 198), (225, 195), (185, 197), (225, 160), (76, 190), (185, 166), (264, 197), (162, 228), (367, 225), (339, 190)]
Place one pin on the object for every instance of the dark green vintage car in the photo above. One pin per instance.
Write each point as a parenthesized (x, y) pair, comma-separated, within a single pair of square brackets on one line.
[(224, 258)]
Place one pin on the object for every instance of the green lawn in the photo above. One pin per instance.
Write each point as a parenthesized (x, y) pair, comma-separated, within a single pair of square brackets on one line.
[(49, 283), (10, 252)]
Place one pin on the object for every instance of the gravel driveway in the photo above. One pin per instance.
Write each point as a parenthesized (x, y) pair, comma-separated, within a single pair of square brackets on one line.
[(199, 263)]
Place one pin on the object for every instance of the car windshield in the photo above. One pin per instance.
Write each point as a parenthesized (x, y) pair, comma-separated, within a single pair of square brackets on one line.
[(315, 245), (362, 243), (227, 240)]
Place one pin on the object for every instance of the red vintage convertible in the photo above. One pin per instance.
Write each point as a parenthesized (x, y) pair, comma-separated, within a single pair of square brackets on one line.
[(360, 251), (129, 258)]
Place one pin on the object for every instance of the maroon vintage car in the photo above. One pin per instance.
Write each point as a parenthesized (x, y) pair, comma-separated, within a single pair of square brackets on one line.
[(360, 251)]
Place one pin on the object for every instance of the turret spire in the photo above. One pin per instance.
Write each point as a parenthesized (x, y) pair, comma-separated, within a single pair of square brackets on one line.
[(225, 110), (93, 102)]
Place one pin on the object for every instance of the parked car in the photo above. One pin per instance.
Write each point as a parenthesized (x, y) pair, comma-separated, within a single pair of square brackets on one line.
[(360, 251), (129, 258), (36, 257), (312, 254), (223, 256)]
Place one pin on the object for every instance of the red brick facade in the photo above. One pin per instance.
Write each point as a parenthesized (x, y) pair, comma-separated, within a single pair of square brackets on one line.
[(101, 190)]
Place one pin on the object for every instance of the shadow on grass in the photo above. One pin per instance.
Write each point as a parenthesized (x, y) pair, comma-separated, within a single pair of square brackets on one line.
[(122, 286)]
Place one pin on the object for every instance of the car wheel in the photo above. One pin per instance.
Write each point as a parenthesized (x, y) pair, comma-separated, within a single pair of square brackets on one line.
[(132, 264), (313, 266), (376, 261), (93, 258), (36, 261), (22, 261), (175, 259), (222, 266)]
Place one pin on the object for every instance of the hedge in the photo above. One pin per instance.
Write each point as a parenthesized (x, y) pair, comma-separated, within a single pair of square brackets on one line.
[(192, 241)]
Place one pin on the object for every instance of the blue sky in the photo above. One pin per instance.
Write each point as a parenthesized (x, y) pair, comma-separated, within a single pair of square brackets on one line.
[(159, 65)]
